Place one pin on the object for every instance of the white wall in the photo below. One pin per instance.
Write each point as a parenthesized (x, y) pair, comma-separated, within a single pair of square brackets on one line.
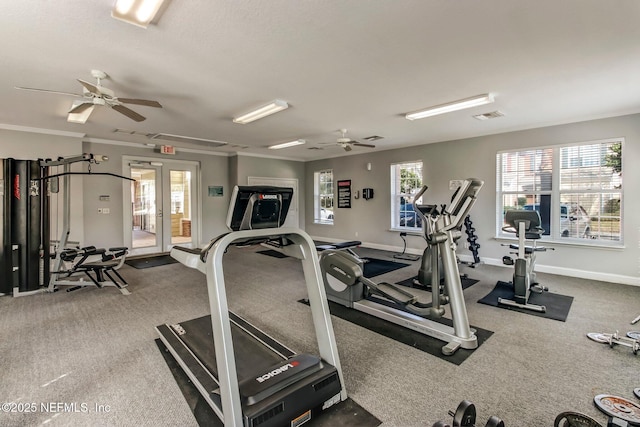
[(475, 157), (108, 230)]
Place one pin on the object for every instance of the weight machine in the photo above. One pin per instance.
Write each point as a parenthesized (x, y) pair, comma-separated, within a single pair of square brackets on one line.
[(67, 270)]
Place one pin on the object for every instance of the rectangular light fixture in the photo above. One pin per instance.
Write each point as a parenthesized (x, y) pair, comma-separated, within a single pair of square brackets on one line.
[(272, 107), (136, 12), (451, 106), (287, 144), (82, 116)]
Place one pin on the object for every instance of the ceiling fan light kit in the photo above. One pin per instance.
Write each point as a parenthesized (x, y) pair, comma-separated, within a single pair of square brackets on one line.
[(136, 12), (266, 110), (287, 144), (80, 112), (474, 101)]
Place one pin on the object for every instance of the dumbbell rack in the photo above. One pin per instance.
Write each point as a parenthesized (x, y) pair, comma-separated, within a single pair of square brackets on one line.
[(472, 239)]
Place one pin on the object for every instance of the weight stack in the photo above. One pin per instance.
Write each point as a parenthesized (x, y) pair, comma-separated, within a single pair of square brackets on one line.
[(6, 264), (25, 219)]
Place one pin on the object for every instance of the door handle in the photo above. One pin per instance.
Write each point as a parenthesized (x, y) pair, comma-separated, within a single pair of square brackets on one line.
[(159, 213)]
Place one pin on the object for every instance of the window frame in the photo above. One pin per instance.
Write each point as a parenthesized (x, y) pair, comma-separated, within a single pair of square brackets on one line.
[(319, 194), (397, 195), (560, 168)]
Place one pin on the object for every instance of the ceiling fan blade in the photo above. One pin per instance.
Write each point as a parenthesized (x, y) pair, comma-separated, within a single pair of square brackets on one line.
[(128, 112), (80, 107), (360, 144), (145, 102), (90, 87), (46, 90)]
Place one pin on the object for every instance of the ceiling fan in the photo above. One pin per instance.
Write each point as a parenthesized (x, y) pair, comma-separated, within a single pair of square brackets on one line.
[(96, 94), (347, 143)]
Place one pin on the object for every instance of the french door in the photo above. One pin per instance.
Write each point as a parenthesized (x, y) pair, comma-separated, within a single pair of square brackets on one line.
[(161, 205)]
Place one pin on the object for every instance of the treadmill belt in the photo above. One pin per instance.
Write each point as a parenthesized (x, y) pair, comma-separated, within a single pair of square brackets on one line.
[(252, 358)]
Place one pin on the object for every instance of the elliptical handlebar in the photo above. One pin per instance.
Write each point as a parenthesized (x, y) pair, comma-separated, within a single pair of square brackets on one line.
[(419, 194), (424, 211)]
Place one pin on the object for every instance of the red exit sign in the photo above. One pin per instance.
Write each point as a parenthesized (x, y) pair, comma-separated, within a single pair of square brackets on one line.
[(167, 149)]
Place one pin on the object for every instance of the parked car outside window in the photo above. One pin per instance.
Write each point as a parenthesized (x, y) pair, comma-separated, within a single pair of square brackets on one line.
[(409, 217), (574, 220), (326, 214)]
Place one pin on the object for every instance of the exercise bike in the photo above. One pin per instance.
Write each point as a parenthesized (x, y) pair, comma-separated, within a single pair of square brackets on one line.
[(526, 226)]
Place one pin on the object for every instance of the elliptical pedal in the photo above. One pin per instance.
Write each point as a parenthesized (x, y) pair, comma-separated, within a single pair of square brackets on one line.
[(395, 294)]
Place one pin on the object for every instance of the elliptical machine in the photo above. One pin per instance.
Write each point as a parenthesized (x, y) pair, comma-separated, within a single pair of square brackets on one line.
[(526, 225), (346, 285)]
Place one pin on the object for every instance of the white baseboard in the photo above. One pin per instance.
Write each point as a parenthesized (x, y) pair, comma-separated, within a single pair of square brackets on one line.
[(572, 272), (562, 271)]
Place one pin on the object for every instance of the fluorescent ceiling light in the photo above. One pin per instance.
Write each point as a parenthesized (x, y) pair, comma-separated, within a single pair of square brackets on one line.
[(82, 116), (272, 107), (287, 144), (451, 106), (136, 12)]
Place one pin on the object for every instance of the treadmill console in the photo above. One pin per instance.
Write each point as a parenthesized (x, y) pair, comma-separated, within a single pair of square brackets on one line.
[(256, 207)]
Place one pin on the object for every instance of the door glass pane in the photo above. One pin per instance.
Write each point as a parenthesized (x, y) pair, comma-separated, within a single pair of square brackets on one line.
[(143, 196), (180, 206)]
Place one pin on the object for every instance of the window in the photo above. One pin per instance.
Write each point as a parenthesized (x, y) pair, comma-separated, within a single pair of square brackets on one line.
[(576, 189), (406, 181), (323, 197)]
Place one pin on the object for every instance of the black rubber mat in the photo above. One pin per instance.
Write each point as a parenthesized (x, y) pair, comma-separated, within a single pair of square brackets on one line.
[(406, 336), (557, 305), (152, 261), (346, 413), (375, 267), (409, 283), (272, 253)]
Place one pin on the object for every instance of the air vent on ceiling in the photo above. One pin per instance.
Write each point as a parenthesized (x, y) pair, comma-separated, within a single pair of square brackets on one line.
[(315, 148), (373, 138), (487, 116), (188, 139)]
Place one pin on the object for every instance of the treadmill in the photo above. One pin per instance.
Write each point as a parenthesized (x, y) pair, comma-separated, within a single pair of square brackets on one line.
[(247, 377)]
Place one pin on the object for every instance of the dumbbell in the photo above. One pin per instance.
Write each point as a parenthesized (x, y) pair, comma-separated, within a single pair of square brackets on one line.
[(465, 416)]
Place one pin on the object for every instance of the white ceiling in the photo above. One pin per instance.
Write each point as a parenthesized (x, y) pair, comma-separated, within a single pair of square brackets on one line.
[(355, 64)]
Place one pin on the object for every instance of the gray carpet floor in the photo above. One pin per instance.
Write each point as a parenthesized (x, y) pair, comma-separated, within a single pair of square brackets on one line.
[(93, 350)]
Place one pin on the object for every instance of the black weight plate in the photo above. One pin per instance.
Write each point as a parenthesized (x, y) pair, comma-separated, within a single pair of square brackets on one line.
[(494, 422), (465, 415), (574, 419), (618, 407)]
